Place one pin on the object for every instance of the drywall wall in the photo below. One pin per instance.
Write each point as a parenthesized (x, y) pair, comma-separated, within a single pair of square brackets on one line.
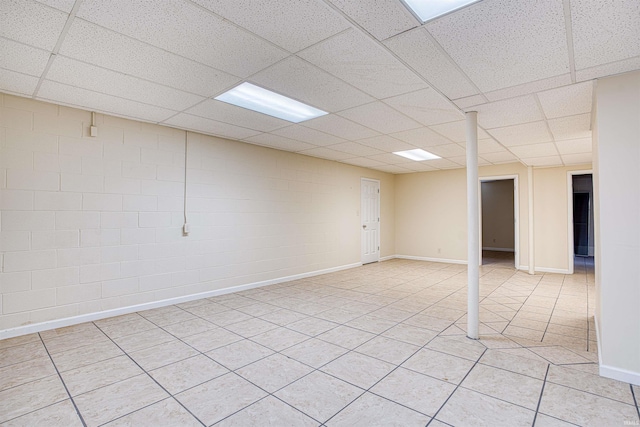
[(93, 224), (431, 214), (498, 215), (617, 189)]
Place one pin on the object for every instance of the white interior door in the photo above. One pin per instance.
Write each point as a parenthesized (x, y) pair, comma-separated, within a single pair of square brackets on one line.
[(370, 220)]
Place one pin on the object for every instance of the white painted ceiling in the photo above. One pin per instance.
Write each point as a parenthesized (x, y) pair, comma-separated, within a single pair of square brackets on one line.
[(388, 82)]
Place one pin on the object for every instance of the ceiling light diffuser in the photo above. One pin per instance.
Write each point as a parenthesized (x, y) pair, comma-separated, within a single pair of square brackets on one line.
[(418, 155), (427, 10), (264, 101)]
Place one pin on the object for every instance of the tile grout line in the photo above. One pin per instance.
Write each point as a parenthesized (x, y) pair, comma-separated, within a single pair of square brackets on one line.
[(635, 399), (63, 383), (544, 383)]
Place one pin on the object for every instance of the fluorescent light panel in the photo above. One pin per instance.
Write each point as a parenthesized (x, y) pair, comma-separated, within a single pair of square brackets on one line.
[(418, 155), (264, 101), (427, 10)]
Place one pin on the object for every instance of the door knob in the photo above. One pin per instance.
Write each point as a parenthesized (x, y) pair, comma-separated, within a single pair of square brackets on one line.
[(364, 226)]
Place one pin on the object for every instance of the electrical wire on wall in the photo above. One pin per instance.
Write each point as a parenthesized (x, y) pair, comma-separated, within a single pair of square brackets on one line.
[(185, 226)]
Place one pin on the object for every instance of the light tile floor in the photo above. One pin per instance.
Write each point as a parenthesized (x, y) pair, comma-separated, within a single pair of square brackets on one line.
[(383, 344)]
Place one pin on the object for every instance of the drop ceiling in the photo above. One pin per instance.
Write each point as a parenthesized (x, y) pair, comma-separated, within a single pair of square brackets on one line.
[(389, 82)]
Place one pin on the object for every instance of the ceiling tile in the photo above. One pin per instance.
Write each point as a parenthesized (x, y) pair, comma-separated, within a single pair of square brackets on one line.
[(326, 153), (425, 106), (363, 162), (357, 60), (470, 101), (22, 58), (355, 149), (535, 150), (31, 23), (279, 142), (572, 127), (575, 146), (486, 146), (502, 157), (421, 137), (341, 127), (223, 112), (311, 21), (529, 88), (577, 159), (528, 133), (442, 164), (164, 24), (456, 131), (420, 167), (381, 18), (543, 161), (608, 69), (462, 160), (210, 127), (114, 51), (390, 158), (567, 101), (300, 80), (99, 102), (18, 83), (393, 169), (488, 40), (380, 117), (85, 76), (386, 143), (447, 150), (311, 136), (419, 51), (63, 5), (605, 31), (509, 112)]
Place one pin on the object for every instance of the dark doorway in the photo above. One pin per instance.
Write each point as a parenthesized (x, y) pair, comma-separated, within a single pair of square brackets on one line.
[(583, 215)]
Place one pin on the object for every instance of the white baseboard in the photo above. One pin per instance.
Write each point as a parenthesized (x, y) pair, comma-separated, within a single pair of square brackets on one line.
[(553, 270), (387, 258), (68, 321), (611, 372), (443, 260), (499, 249)]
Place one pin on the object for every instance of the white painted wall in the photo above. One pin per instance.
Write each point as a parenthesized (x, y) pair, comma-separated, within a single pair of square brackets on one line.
[(617, 191), (93, 224)]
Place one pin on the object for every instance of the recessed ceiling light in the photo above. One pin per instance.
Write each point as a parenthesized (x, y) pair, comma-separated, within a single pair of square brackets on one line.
[(264, 101), (418, 155), (426, 10)]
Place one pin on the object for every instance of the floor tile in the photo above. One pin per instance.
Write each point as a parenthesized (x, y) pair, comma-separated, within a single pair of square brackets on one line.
[(559, 355), (416, 391), (595, 384), (100, 374), (279, 339), (65, 342), (370, 410), (458, 346), (189, 327), (514, 363), (22, 353), (410, 334), (374, 325), (315, 352), (239, 354), (358, 369), (163, 354), (583, 408), (130, 327), (283, 317), (547, 421), (227, 317), (511, 387), (142, 340), (166, 413), (268, 412), (113, 401), (251, 327), (24, 339), (220, 397), (212, 339), (468, 408), (319, 395), (428, 322), (439, 365), (312, 326), (24, 372), (274, 372), (87, 355), (31, 396), (346, 337), (187, 373), (387, 349), (58, 414)]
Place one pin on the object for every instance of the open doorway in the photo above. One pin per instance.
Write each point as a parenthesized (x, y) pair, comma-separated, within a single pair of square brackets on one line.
[(581, 226), (499, 234)]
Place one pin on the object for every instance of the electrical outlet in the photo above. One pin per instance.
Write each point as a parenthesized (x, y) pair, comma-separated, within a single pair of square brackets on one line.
[(438, 250)]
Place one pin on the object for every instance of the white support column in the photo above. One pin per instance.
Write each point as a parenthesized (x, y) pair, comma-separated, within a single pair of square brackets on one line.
[(532, 259), (473, 228)]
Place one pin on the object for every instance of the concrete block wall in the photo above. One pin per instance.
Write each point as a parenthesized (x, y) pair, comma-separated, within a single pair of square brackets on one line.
[(93, 224)]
